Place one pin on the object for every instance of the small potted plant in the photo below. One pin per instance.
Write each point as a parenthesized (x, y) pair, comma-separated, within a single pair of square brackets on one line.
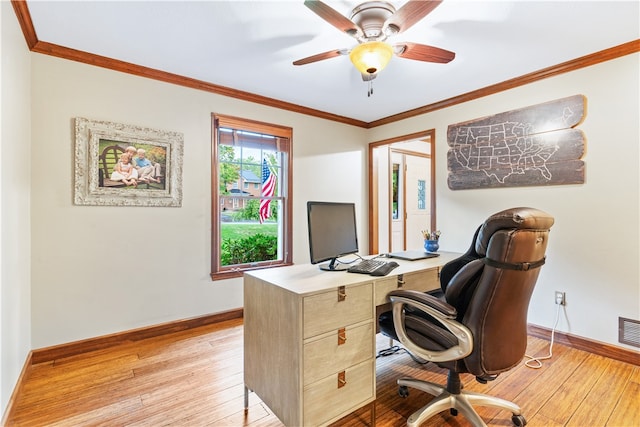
[(431, 239)]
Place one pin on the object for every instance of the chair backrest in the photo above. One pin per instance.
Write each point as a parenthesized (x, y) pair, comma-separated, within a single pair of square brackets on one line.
[(492, 290)]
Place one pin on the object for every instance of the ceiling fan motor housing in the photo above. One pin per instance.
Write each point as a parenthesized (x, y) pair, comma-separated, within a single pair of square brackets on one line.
[(371, 16)]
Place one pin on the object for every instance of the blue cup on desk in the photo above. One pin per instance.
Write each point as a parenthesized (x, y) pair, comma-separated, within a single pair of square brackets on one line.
[(431, 245)]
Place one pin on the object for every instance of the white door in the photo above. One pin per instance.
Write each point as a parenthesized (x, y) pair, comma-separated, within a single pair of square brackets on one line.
[(417, 199)]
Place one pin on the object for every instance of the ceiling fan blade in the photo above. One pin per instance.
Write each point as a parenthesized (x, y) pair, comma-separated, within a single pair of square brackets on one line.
[(320, 56), (333, 17), (410, 13), (422, 52)]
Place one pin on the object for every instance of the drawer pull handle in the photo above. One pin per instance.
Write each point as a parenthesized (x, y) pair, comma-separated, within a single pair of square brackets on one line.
[(342, 293), (342, 336), (341, 379), (400, 280)]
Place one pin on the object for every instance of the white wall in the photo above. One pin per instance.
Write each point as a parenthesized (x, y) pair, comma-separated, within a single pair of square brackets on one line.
[(593, 252), (15, 148), (82, 285)]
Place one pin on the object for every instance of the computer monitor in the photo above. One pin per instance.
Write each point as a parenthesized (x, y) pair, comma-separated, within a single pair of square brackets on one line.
[(332, 233)]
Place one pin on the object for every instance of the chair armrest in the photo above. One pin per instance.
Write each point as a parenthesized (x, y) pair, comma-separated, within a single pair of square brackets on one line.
[(441, 312), (423, 298)]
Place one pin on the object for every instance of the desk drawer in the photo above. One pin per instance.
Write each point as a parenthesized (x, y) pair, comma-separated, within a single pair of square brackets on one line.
[(325, 399), (383, 287), (337, 351), (327, 311), (426, 280)]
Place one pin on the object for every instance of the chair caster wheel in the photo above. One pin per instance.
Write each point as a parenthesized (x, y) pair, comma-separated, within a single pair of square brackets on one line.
[(403, 391), (453, 412), (518, 421)]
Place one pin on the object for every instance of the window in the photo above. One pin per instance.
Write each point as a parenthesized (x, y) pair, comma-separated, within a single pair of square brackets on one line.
[(422, 192), (250, 228)]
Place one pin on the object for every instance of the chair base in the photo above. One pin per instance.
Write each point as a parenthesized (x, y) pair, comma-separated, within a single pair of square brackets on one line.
[(462, 402)]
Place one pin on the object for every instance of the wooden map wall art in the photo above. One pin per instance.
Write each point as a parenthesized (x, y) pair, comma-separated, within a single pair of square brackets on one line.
[(535, 145)]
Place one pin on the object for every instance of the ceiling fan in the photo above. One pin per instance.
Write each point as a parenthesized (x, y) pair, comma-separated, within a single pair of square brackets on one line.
[(371, 23)]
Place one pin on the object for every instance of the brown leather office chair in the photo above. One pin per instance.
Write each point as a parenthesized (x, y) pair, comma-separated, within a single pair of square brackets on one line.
[(478, 325)]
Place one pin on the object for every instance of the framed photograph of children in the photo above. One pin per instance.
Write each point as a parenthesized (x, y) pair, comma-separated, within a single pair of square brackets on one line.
[(125, 165)]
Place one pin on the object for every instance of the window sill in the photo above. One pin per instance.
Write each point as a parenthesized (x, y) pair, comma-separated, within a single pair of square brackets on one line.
[(238, 272)]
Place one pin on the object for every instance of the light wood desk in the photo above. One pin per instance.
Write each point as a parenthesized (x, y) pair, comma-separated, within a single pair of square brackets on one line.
[(309, 336)]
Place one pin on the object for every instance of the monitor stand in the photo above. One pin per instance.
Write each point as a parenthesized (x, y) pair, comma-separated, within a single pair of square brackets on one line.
[(333, 266)]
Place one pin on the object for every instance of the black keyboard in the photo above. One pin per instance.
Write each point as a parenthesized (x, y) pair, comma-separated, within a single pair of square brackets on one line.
[(366, 266), (373, 267)]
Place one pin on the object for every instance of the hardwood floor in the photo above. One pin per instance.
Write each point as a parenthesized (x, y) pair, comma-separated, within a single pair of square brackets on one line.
[(194, 378)]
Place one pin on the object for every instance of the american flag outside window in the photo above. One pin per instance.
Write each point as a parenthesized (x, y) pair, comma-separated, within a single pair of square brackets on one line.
[(268, 188)]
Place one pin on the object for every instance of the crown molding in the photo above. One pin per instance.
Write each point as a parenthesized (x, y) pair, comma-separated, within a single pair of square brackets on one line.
[(37, 46), (565, 67)]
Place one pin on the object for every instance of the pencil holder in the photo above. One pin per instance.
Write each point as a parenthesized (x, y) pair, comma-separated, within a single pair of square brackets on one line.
[(431, 245)]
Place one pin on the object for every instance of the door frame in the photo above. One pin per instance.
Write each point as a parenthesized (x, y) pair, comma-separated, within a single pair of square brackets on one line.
[(405, 154), (374, 175)]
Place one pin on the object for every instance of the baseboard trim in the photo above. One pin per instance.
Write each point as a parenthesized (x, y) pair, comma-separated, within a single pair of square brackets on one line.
[(580, 343), (17, 390), (48, 354), (78, 347)]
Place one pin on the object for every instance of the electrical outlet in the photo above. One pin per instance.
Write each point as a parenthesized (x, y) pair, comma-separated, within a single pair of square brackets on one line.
[(560, 298)]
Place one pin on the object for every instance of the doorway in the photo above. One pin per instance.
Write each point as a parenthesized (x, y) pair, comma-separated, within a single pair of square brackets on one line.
[(401, 192)]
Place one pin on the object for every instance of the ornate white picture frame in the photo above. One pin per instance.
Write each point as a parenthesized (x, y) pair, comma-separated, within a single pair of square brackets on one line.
[(99, 146)]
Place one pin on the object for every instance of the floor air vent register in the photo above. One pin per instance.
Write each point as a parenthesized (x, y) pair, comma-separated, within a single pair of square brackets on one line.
[(629, 331)]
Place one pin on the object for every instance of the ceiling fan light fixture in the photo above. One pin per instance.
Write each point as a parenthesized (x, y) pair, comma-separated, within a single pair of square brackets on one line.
[(371, 57)]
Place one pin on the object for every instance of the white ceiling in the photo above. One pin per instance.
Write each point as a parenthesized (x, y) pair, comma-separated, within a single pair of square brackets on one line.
[(250, 45)]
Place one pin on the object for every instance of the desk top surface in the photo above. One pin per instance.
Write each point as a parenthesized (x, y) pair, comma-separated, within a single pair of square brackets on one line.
[(308, 278)]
